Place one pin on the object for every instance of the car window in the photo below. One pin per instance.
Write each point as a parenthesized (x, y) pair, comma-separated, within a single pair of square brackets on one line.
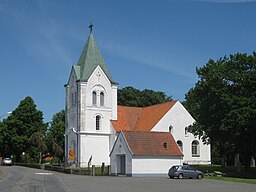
[(192, 168)]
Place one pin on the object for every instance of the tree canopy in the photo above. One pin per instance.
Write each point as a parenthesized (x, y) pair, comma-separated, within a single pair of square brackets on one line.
[(130, 96), (55, 135), (223, 103), (16, 130)]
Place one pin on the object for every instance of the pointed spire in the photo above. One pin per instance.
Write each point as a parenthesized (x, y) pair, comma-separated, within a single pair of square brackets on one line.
[(91, 58)]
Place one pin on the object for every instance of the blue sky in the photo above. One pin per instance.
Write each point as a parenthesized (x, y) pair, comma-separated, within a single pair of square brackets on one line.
[(146, 44)]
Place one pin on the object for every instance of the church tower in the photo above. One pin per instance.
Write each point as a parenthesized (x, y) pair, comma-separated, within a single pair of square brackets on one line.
[(91, 104)]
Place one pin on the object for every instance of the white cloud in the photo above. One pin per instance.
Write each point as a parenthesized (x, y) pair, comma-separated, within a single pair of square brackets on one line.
[(149, 57)]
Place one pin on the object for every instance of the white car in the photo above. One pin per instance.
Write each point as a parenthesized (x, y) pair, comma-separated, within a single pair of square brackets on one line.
[(7, 161)]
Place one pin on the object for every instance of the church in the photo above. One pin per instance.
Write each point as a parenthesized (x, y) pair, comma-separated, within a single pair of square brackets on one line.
[(95, 125)]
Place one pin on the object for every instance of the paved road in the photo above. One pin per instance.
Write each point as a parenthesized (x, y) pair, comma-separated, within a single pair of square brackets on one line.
[(18, 179), (21, 179)]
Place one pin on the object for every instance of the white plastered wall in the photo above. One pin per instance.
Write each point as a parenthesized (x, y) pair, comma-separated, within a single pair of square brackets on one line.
[(72, 101), (179, 118), (98, 82), (96, 142), (71, 141), (153, 165), (95, 146), (120, 148), (71, 126), (139, 165)]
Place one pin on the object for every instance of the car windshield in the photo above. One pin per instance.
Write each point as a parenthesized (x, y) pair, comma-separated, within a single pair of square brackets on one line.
[(7, 158)]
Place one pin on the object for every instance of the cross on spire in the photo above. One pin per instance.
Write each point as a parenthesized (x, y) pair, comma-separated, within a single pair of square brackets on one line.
[(90, 26)]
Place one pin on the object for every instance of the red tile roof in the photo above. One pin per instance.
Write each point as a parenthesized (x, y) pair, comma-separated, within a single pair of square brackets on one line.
[(151, 143), (140, 118)]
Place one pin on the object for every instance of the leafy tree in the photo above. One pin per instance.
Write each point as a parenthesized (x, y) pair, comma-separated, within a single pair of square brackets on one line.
[(130, 96), (37, 140), (55, 135), (224, 105), (19, 126), (2, 146)]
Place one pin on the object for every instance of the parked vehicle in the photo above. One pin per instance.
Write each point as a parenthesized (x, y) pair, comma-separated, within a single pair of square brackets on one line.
[(184, 171), (7, 161)]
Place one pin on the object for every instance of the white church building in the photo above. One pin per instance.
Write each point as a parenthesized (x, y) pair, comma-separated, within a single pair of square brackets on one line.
[(94, 120)]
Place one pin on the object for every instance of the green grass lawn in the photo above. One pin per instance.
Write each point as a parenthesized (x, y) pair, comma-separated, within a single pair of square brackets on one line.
[(232, 179), (229, 173), (98, 171)]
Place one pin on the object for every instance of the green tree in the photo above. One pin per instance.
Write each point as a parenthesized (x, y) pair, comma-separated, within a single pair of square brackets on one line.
[(130, 96), (19, 126), (37, 143), (2, 145), (55, 135), (223, 104)]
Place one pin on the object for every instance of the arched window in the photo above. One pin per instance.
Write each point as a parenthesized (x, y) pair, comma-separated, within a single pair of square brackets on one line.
[(98, 118), (101, 99), (180, 144), (171, 129), (94, 98), (195, 149)]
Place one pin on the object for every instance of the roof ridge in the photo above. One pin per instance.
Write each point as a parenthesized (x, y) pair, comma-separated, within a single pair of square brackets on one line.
[(146, 131), (129, 106), (173, 101)]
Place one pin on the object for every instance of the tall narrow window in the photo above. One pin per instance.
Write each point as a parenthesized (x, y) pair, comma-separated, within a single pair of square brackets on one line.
[(94, 98), (180, 144), (76, 98), (72, 99), (98, 123), (101, 99), (195, 149)]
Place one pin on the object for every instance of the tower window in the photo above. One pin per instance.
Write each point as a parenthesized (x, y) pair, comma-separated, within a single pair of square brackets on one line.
[(101, 99), (195, 149), (94, 98), (72, 99), (98, 118)]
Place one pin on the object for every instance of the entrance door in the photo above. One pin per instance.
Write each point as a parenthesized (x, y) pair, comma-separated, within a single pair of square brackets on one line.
[(122, 164)]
